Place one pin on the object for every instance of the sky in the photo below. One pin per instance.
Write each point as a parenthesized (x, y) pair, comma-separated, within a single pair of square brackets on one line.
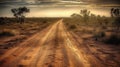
[(58, 8)]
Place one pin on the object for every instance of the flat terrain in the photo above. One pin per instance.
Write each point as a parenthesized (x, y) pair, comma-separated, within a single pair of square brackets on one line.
[(55, 46)]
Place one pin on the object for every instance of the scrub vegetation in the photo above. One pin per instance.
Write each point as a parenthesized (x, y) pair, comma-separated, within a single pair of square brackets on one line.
[(13, 32), (100, 28)]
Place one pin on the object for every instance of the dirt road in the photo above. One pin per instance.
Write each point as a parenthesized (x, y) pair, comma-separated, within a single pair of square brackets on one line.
[(52, 47)]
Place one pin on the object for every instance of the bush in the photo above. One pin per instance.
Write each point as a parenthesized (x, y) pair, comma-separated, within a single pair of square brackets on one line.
[(113, 39), (102, 34), (7, 32), (99, 35), (72, 27)]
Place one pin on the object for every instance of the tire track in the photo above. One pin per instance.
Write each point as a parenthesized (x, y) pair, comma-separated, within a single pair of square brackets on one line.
[(15, 54)]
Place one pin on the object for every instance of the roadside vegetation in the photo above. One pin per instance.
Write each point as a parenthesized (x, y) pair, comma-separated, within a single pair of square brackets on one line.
[(100, 28), (19, 27), (13, 32), (9, 26)]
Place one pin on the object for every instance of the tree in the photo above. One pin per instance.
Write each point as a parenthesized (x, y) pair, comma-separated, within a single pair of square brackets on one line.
[(19, 13), (85, 13), (115, 13)]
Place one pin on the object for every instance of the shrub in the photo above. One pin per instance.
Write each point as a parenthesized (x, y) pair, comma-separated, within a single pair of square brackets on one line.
[(102, 34), (72, 27), (99, 35), (7, 32), (113, 39)]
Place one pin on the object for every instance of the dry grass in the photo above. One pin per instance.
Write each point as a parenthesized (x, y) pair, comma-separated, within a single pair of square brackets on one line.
[(13, 33), (30, 26), (99, 32)]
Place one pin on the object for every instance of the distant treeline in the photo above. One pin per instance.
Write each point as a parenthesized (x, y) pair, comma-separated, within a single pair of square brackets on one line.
[(6, 20)]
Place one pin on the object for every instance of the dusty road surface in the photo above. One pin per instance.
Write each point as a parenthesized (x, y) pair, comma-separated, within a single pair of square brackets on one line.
[(52, 47)]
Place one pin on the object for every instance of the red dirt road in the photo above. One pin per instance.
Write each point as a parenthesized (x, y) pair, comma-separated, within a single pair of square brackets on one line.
[(52, 47)]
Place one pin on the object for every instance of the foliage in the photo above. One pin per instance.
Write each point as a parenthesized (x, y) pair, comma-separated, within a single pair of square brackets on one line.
[(19, 13), (100, 27), (89, 19), (31, 26), (113, 39), (99, 35), (85, 14), (72, 27), (115, 13), (8, 32)]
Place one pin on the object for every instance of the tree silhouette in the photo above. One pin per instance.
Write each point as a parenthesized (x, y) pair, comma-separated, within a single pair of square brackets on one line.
[(85, 13), (115, 13), (19, 13)]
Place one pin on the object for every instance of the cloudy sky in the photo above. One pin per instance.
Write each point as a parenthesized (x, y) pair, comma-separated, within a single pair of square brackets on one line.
[(58, 8), (58, 2)]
